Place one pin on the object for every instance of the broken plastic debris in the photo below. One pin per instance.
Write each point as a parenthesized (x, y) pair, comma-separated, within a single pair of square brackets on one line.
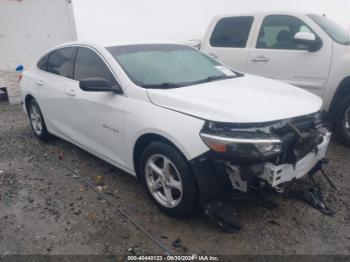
[(102, 188), (177, 243)]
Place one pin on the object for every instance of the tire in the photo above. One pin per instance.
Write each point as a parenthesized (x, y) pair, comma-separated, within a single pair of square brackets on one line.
[(176, 176), (37, 121), (342, 120)]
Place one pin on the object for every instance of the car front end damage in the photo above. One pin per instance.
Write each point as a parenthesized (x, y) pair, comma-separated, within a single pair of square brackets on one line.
[(261, 155)]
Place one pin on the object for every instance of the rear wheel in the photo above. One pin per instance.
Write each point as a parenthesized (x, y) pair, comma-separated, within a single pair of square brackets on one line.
[(168, 179), (342, 120), (37, 121)]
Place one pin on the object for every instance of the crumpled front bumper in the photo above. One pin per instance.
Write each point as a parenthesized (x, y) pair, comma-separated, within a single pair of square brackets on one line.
[(305, 142), (276, 175)]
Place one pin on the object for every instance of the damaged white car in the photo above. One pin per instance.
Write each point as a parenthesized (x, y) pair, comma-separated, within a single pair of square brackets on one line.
[(174, 117)]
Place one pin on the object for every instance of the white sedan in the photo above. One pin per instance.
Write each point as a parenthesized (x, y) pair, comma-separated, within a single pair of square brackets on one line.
[(172, 116)]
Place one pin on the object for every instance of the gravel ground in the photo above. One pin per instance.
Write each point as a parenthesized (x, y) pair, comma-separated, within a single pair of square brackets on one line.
[(44, 209)]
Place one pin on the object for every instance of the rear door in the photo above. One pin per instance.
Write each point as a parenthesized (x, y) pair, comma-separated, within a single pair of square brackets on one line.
[(53, 83), (229, 39), (275, 55)]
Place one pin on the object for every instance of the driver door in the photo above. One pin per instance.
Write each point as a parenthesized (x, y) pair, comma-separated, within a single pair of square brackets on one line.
[(97, 117), (276, 56)]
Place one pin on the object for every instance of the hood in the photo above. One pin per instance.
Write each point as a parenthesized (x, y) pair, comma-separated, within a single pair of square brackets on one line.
[(247, 99)]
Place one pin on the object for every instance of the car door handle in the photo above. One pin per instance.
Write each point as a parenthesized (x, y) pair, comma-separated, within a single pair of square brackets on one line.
[(40, 82), (212, 55), (260, 59), (71, 92)]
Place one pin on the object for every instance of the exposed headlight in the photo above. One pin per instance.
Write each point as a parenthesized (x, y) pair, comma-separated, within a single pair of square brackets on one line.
[(243, 144), (274, 147)]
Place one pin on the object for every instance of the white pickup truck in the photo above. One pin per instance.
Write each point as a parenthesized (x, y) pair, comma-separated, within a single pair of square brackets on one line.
[(305, 50)]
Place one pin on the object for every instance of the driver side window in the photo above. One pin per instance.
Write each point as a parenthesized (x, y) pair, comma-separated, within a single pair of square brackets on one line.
[(88, 64), (278, 31)]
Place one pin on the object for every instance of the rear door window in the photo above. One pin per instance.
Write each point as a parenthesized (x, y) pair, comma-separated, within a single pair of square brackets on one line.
[(42, 63), (232, 32), (89, 64), (60, 62)]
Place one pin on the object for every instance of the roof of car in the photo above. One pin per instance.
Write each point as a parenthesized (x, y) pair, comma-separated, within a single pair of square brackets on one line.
[(119, 43), (97, 45)]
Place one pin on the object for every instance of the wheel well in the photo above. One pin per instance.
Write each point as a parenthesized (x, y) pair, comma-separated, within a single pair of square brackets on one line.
[(342, 91), (27, 100), (141, 144)]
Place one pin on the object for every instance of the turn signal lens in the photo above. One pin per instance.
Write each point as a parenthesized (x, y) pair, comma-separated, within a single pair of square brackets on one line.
[(214, 143), (221, 148)]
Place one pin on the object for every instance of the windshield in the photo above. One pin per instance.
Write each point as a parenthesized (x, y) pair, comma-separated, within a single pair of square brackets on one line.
[(167, 65), (337, 33)]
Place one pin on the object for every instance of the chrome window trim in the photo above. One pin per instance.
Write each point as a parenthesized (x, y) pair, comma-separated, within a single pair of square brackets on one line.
[(85, 46)]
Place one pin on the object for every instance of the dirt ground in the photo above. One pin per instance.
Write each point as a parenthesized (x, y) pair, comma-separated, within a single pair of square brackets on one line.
[(44, 209)]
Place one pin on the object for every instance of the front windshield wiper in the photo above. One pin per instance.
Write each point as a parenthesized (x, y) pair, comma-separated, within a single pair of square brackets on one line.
[(212, 78), (168, 85), (165, 85)]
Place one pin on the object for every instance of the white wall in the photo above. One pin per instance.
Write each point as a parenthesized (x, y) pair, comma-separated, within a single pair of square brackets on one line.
[(30, 27)]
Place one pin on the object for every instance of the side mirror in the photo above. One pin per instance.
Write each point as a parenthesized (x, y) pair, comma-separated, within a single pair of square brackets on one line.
[(98, 84), (308, 39)]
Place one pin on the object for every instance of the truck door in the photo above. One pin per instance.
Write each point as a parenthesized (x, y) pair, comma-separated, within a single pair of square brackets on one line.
[(276, 55), (227, 40)]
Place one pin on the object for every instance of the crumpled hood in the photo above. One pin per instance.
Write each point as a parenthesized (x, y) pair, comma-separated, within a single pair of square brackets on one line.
[(248, 99)]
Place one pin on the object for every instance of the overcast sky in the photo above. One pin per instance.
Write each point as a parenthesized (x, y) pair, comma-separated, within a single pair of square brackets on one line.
[(180, 20)]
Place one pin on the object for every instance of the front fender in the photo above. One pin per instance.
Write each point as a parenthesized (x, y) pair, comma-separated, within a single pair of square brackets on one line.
[(338, 74), (180, 129)]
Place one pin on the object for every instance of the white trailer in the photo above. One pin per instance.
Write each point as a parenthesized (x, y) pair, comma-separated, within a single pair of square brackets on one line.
[(28, 28)]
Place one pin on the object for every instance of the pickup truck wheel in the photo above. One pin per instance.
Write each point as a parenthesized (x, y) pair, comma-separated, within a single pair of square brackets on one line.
[(342, 120), (168, 179), (37, 121)]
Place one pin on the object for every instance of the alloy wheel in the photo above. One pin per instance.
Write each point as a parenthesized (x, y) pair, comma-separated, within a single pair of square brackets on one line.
[(36, 120), (163, 181)]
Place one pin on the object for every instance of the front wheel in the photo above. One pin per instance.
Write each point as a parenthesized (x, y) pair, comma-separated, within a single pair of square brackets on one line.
[(342, 120), (168, 179)]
